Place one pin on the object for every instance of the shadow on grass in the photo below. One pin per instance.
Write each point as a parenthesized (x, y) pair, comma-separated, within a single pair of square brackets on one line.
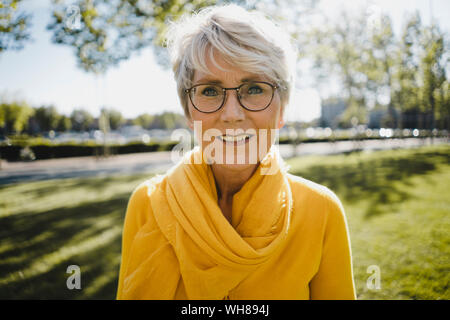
[(375, 179), (44, 244), (93, 183), (51, 284)]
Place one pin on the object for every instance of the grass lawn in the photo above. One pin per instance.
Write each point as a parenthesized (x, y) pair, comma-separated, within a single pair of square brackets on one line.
[(396, 202)]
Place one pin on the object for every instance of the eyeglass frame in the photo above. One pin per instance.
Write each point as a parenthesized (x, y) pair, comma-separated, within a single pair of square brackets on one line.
[(274, 87)]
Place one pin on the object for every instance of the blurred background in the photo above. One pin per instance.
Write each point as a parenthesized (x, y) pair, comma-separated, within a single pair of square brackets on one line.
[(88, 108)]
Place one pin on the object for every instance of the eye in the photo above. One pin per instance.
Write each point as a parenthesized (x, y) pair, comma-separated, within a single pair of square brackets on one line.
[(210, 92), (254, 89)]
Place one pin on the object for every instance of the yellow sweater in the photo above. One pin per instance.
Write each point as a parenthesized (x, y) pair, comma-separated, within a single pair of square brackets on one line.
[(187, 250)]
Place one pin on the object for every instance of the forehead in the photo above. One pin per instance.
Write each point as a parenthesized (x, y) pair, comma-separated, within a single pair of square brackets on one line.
[(222, 72)]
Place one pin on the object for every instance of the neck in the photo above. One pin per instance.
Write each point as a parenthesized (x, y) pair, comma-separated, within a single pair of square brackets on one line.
[(230, 181)]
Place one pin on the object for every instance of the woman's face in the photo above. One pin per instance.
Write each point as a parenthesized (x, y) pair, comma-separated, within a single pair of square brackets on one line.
[(233, 122)]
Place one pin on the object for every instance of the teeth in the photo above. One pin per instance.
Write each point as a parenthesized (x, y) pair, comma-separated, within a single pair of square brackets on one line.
[(237, 138)]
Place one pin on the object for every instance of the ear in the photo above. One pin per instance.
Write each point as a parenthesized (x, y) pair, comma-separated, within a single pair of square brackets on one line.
[(189, 120), (190, 123), (281, 121)]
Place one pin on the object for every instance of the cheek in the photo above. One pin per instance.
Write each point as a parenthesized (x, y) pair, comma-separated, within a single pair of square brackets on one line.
[(268, 118), (196, 115), (204, 127), (206, 119)]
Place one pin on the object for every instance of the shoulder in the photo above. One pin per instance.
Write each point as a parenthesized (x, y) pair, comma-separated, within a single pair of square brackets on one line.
[(139, 204), (317, 191), (144, 190), (315, 200)]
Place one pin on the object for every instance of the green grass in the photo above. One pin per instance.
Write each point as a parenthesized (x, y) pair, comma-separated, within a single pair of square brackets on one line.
[(396, 202), (47, 226), (397, 208)]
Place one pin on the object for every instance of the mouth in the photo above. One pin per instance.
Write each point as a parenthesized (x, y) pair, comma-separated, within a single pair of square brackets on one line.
[(235, 139)]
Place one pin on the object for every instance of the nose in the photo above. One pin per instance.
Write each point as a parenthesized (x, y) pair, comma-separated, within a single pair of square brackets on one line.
[(232, 110)]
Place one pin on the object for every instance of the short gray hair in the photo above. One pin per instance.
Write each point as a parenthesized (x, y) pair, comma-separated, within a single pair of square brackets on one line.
[(245, 39)]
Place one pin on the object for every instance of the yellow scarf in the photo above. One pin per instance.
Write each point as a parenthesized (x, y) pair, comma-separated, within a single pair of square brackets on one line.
[(198, 243)]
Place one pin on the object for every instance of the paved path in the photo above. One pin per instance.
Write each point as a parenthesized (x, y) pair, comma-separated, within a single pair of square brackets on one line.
[(324, 148), (152, 162), (12, 172)]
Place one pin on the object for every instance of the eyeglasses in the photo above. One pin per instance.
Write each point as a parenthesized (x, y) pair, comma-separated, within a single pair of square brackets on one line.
[(252, 96)]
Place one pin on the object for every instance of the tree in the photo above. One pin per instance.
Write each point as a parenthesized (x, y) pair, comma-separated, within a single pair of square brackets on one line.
[(47, 118), (338, 54), (81, 120), (144, 120), (114, 118), (14, 25), (380, 50), (14, 116), (405, 87), (432, 73), (64, 124), (421, 82), (375, 69), (443, 100), (103, 33)]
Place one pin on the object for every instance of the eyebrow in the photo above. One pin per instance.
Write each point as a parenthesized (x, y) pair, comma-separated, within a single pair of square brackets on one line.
[(217, 81)]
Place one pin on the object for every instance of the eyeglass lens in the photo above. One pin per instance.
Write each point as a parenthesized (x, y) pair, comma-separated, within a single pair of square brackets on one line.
[(253, 96)]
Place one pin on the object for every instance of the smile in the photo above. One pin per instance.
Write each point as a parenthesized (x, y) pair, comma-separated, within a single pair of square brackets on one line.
[(237, 139)]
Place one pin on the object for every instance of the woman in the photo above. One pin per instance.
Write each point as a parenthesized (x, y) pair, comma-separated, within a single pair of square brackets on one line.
[(229, 222)]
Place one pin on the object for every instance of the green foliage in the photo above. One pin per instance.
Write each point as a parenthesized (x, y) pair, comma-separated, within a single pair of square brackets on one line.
[(46, 149), (14, 24), (81, 120), (374, 67), (433, 71), (24, 140), (337, 51), (442, 98), (380, 68), (14, 116), (64, 124), (103, 33), (113, 118), (47, 118), (406, 86), (166, 120), (420, 79), (144, 120)]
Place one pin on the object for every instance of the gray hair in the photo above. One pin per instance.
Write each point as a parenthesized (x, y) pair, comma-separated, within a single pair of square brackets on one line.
[(247, 40)]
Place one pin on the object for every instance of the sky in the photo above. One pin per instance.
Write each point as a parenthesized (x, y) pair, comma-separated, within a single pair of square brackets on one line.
[(44, 73)]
